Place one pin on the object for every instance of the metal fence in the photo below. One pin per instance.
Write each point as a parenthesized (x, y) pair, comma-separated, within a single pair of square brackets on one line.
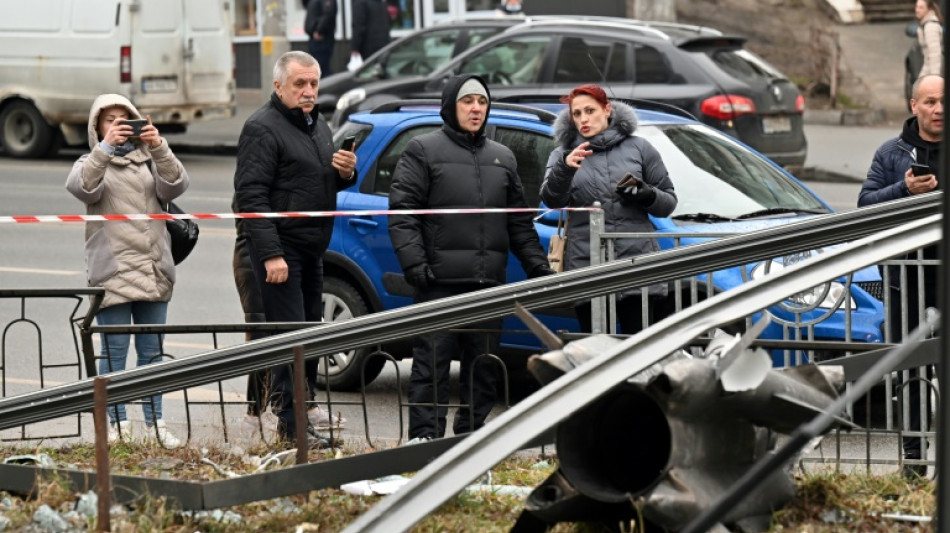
[(799, 340)]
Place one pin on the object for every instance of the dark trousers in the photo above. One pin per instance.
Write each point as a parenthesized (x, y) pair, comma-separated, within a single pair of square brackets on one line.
[(295, 300), (909, 300), (258, 381), (322, 51), (629, 313), (432, 356)]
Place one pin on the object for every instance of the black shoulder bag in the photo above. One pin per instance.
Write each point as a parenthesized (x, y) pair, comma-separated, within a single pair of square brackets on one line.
[(183, 233)]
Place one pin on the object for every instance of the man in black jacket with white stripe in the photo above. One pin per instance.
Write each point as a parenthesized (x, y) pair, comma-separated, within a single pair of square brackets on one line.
[(450, 254)]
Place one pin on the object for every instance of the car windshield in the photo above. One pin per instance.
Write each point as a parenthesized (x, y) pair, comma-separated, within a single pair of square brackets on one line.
[(718, 178)]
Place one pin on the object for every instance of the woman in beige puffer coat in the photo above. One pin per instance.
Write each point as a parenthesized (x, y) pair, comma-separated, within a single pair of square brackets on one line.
[(930, 36), (131, 260)]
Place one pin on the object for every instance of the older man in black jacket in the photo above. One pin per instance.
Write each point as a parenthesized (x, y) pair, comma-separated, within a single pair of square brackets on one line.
[(448, 254), (286, 162)]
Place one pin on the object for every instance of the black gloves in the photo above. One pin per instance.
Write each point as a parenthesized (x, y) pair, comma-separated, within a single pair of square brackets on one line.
[(630, 188), (419, 276), (541, 270)]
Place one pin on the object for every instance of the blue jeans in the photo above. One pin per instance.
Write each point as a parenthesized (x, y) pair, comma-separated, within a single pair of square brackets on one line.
[(115, 347)]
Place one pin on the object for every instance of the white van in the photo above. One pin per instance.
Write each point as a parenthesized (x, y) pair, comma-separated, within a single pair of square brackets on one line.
[(172, 58)]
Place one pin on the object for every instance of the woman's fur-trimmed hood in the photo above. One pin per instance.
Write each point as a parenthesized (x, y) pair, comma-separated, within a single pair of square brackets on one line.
[(623, 121), (102, 102)]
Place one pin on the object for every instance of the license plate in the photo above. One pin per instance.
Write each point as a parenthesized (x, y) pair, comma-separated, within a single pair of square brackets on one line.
[(776, 125), (160, 85)]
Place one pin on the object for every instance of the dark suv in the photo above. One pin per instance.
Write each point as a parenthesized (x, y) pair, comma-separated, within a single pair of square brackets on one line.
[(419, 53), (698, 69)]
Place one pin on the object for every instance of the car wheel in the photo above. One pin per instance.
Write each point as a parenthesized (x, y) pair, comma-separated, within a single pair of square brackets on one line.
[(341, 371), (23, 132)]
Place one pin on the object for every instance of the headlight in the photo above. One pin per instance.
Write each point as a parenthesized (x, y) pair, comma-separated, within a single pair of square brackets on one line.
[(824, 296), (351, 98)]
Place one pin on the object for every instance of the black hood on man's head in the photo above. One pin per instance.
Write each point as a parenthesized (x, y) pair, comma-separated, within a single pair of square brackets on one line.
[(450, 97)]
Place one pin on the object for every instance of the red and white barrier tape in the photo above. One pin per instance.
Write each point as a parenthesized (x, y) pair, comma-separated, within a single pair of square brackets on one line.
[(34, 219)]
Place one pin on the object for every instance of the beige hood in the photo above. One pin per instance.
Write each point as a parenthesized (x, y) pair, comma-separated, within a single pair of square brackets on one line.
[(101, 102)]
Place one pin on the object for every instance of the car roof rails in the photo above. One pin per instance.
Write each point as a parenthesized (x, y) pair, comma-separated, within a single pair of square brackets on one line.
[(639, 103), (543, 115), (620, 24)]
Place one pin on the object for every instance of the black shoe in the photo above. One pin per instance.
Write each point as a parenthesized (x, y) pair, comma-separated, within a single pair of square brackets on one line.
[(913, 472)]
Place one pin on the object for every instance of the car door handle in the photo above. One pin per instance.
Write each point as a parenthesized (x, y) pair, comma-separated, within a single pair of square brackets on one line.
[(363, 222)]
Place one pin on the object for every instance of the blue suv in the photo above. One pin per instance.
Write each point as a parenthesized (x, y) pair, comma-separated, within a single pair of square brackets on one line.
[(723, 187)]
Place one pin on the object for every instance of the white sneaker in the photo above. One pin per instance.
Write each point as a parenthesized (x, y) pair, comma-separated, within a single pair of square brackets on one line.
[(121, 431), (320, 419), (262, 428), (165, 437), (418, 440)]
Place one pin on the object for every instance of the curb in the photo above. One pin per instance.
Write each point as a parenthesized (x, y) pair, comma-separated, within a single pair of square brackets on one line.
[(206, 148), (845, 117), (827, 176)]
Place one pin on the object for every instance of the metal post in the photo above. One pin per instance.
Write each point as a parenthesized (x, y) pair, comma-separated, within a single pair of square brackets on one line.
[(300, 406), (598, 315), (103, 481), (942, 469)]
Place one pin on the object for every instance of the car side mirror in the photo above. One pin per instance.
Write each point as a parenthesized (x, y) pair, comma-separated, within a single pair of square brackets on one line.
[(911, 29)]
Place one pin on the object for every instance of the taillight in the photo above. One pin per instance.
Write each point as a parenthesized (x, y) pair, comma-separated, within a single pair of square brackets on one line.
[(727, 106), (233, 62), (800, 104), (125, 64)]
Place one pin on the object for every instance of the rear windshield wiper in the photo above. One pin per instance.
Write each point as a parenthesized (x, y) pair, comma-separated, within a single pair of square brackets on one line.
[(782, 211), (703, 217)]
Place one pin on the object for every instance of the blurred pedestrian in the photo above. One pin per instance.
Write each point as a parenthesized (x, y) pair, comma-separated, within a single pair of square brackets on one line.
[(892, 177), (510, 7), (320, 26), (930, 36), (286, 162), (125, 173), (446, 255), (597, 148), (371, 24)]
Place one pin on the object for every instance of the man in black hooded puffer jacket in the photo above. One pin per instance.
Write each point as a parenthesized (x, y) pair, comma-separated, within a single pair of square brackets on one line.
[(445, 255)]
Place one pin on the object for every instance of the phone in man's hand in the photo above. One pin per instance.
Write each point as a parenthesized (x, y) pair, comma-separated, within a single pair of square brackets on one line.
[(920, 170), (348, 143)]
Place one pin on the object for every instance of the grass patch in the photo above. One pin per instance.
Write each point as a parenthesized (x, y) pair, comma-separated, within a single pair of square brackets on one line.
[(824, 503)]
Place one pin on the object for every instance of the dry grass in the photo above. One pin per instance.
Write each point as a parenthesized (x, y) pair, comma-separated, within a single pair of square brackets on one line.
[(824, 502)]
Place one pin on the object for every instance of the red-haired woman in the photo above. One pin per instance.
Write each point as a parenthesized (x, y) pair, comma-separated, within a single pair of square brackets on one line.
[(597, 146)]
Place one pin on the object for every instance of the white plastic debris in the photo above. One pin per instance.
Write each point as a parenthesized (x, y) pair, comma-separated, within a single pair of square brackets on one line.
[(88, 504), (368, 487), (49, 520), (501, 490), (38, 459), (4, 523)]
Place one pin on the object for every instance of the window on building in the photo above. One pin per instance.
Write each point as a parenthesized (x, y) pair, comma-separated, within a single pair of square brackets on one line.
[(245, 17)]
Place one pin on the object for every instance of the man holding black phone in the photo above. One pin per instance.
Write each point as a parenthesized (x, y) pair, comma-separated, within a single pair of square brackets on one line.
[(286, 162), (906, 165)]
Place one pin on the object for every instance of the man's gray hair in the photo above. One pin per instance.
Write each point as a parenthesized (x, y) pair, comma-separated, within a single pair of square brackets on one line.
[(282, 67), (916, 87)]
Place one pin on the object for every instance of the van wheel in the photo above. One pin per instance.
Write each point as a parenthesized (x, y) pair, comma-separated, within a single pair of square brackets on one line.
[(23, 132), (341, 371)]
